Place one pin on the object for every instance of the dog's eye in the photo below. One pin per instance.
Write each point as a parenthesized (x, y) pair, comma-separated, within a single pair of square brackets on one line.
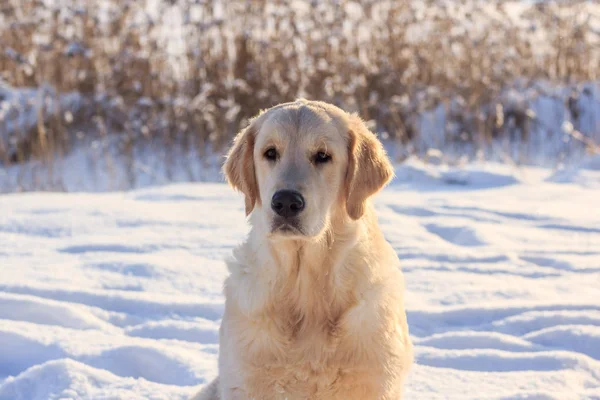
[(271, 154), (321, 157)]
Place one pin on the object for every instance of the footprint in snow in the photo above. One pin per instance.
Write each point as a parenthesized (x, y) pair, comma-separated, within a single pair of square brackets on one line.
[(458, 235)]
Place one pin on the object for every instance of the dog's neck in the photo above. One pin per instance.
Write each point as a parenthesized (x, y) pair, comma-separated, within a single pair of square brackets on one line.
[(317, 255), (304, 275)]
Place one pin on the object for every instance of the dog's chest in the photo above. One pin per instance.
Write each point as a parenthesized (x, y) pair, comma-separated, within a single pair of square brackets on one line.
[(308, 340), (308, 359)]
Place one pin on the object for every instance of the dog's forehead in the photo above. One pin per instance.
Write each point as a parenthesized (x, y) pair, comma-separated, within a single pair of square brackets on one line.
[(302, 122)]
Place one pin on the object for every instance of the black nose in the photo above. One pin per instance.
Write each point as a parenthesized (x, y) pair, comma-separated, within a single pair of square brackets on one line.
[(287, 203)]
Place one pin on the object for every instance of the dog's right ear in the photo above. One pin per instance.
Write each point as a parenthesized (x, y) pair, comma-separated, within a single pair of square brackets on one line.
[(239, 167)]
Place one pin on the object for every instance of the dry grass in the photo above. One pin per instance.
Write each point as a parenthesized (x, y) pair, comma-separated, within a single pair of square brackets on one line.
[(186, 74)]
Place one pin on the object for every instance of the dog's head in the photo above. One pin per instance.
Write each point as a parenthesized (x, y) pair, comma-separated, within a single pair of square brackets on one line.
[(302, 164)]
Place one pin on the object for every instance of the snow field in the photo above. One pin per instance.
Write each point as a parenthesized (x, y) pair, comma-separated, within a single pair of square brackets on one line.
[(118, 295)]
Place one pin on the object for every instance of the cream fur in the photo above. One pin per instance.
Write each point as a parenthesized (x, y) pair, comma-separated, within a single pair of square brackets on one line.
[(317, 315)]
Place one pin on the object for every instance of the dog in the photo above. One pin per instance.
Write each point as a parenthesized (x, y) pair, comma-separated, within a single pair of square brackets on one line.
[(314, 300)]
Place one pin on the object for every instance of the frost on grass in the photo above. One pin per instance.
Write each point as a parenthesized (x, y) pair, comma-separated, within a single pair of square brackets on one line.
[(511, 81)]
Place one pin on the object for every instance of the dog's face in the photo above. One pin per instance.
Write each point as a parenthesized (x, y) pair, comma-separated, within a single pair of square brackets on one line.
[(300, 159), (301, 164)]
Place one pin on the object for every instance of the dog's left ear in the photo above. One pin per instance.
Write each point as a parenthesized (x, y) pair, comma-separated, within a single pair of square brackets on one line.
[(239, 167), (369, 168)]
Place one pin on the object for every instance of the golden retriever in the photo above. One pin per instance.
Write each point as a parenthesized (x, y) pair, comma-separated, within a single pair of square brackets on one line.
[(314, 300)]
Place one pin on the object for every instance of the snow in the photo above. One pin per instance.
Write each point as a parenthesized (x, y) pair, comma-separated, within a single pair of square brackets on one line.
[(118, 295), (583, 173)]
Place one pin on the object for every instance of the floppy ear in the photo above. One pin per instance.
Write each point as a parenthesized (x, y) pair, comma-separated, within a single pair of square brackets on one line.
[(239, 167), (369, 168)]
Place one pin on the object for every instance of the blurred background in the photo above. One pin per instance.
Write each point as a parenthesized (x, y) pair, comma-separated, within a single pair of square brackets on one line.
[(112, 95)]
